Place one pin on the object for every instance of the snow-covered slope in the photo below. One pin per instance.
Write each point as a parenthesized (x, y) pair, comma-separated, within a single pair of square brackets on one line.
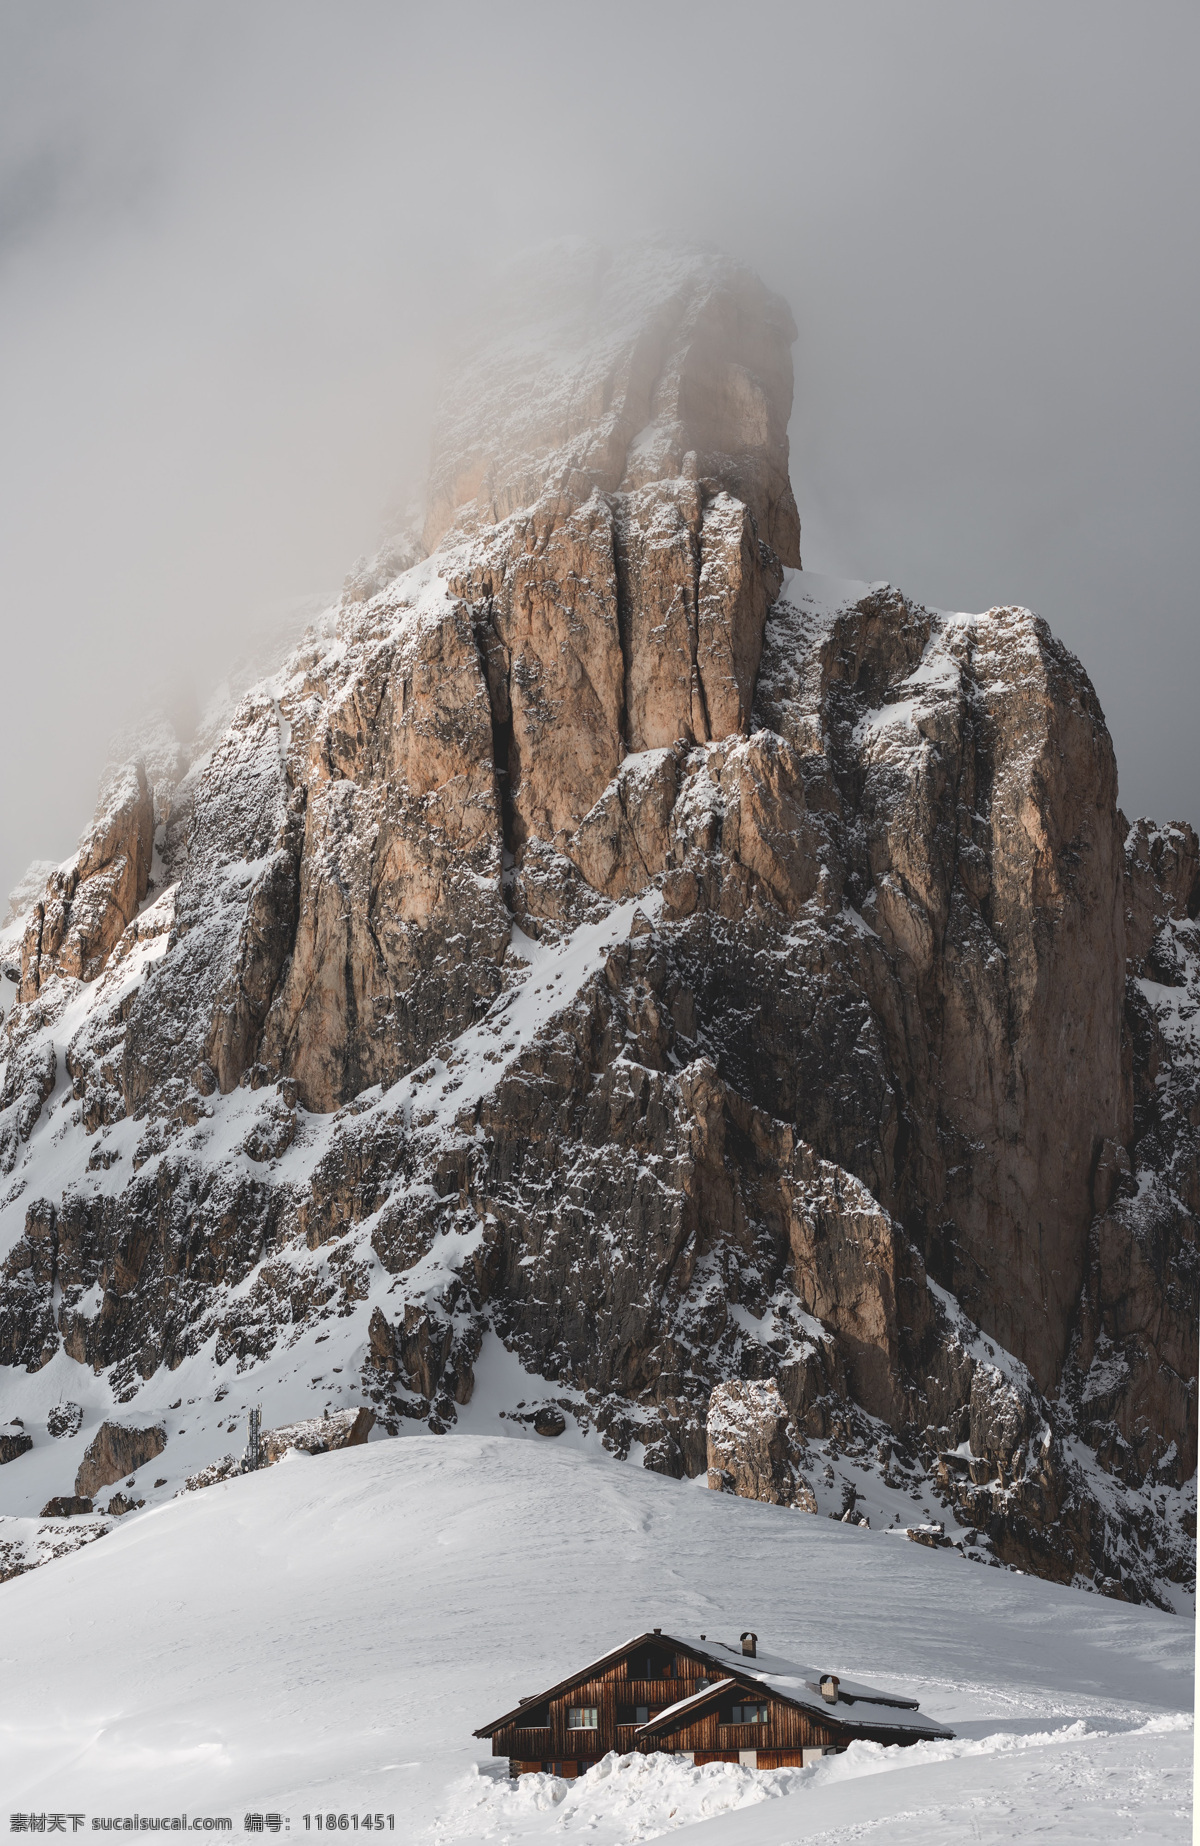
[(328, 1634)]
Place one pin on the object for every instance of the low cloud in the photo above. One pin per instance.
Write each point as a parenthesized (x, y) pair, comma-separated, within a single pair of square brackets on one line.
[(235, 245)]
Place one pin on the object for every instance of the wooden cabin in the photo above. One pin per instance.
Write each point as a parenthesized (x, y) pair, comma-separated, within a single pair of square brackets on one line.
[(706, 1700)]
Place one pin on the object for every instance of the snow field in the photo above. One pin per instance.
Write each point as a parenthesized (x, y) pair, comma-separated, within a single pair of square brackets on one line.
[(327, 1634), (1078, 1785)]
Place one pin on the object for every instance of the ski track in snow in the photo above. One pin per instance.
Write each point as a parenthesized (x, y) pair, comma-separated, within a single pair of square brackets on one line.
[(326, 1636)]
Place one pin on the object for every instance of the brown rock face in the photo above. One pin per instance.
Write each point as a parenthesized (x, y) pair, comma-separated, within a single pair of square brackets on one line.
[(1162, 888), (616, 608), (115, 1450), (550, 644), (630, 624), (1004, 1418), (74, 927), (122, 1503), (753, 1449), (72, 930), (400, 852)]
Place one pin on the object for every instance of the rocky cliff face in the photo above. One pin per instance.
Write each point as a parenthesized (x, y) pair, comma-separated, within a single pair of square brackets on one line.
[(606, 944)]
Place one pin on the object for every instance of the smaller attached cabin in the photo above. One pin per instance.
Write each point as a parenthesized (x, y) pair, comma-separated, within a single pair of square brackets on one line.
[(707, 1700)]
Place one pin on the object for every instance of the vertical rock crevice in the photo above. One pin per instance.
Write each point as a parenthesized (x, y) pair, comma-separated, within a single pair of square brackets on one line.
[(495, 666), (620, 556)]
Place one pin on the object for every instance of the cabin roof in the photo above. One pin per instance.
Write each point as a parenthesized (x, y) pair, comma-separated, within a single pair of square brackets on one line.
[(905, 1721), (797, 1684), (771, 1670)]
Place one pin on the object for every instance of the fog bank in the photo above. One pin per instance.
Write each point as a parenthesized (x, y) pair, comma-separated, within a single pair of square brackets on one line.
[(236, 245)]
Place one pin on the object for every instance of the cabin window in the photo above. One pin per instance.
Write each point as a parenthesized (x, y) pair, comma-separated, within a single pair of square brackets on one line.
[(654, 1665), (583, 1717), (748, 1714), (633, 1714)]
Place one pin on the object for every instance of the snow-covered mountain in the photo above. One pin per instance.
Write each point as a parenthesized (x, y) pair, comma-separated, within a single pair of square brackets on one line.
[(605, 963)]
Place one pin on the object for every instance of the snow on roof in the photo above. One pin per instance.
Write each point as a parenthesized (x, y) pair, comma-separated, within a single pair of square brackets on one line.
[(904, 1721), (801, 1685), (767, 1668)]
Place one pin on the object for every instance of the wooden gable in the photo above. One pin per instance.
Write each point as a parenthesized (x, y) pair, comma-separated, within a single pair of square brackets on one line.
[(709, 1730), (643, 1676)]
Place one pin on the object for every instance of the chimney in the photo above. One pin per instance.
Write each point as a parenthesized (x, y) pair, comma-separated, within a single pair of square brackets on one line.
[(658, 1631), (750, 1644), (829, 1688)]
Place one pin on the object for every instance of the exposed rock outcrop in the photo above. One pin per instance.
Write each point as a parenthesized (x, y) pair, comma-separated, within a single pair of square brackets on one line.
[(14, 1441), (752, 1446), (1131, 1379), (64, 1419), (609, 371), (225, 1468), (117, 1449), (345, 1429), (73, 928), (122, 1503)]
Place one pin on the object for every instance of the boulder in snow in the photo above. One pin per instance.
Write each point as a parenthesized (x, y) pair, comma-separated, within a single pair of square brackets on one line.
[(117, 1449), (65, 1419), (13, 1442), (753, 1448)]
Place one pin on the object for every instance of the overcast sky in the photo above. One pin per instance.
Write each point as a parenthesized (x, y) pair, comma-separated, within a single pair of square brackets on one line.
[(233, 239)]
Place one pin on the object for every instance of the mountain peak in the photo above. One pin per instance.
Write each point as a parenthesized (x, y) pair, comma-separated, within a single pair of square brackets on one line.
[(607, 370)]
